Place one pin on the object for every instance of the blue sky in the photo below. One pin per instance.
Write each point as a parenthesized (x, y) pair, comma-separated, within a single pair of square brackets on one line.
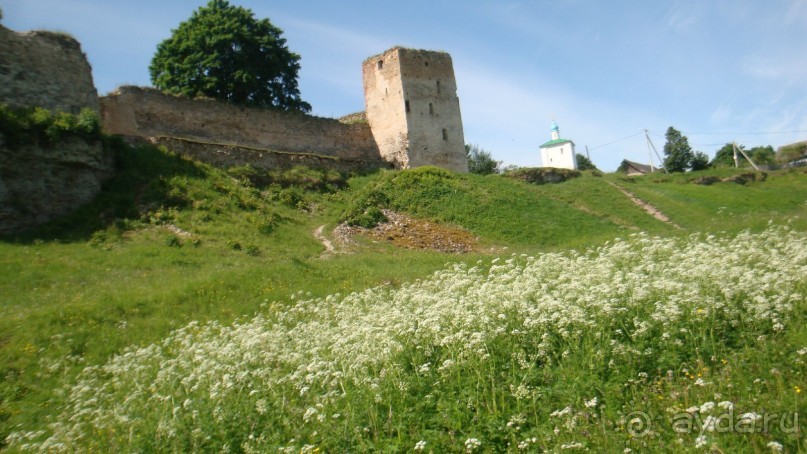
[(719, 71)]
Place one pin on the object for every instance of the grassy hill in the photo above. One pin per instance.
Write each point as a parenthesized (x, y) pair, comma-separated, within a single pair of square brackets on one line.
[(170, 241)]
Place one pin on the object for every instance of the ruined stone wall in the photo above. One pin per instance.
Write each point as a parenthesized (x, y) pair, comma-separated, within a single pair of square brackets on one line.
[(45, 69), (413, 109), (148, 113), (226, 156), (40, 183)]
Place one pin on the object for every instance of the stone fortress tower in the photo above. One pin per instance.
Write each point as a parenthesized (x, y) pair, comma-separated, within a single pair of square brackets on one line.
[(413, 110)]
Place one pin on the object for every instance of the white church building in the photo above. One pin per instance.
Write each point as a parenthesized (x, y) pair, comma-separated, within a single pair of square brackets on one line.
[(558, 153)]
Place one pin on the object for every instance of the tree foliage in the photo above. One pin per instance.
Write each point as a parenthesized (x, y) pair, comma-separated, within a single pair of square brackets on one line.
[(224, 52), (791, 152), (584, 163), (700, 161), (760, 155), (678, 154), (724, 157), (480, 161)]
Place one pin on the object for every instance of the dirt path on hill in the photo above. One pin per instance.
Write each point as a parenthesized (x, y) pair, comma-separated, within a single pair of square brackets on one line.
[(329, 249), (648, 208)]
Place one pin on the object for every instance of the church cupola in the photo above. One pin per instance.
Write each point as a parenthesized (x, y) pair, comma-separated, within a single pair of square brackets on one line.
[(555, 131)]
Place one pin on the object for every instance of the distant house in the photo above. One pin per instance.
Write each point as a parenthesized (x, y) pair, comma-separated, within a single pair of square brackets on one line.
[(634, 168)]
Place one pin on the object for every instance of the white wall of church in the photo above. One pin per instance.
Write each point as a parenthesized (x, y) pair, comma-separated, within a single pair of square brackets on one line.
[(561, 156)]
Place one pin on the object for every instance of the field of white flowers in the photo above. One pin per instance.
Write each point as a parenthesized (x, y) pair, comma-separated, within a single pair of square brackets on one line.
[(564, 351)]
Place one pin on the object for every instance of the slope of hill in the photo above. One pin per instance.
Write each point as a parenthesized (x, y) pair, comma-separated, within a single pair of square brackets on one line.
[(170, 241)]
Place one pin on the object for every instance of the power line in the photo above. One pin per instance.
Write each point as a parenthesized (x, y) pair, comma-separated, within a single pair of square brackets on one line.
[(662, 135), (737, 133), (616, 141)]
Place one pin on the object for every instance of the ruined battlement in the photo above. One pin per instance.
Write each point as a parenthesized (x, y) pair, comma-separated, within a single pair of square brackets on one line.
[(149, 113), (45, 69)]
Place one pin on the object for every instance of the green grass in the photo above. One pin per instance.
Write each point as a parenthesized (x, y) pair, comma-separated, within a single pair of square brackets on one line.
[(723, 206), (499, 210), (117, 273)]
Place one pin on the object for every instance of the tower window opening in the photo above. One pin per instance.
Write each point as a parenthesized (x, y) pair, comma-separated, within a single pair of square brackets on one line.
[(380, 64), (427, 63), (431, 109), (445, 134), (438, 86), (407, 105)]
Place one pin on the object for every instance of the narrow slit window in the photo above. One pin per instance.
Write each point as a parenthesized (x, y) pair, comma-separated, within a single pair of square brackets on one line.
[(445, 134), (380, 64), (438, 86), (407, 105), (431, 109)]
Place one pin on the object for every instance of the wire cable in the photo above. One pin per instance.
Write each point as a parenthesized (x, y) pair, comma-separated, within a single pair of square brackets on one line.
[(616, 141)]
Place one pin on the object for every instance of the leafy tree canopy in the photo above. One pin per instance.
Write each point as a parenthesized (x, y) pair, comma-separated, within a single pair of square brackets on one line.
[(724, 157), (480, 161), (678, 154), (223, 52), (760, 155), (584, 163), (700, 161), (791, 152)]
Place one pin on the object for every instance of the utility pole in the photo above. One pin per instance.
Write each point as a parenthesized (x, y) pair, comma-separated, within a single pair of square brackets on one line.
[(587, 155), (649, 146), (734, 144), (736, 159)]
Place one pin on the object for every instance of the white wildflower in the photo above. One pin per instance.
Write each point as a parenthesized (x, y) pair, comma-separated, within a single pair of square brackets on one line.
[(471, 444), (559, 413), (707, 407), (775, 446)]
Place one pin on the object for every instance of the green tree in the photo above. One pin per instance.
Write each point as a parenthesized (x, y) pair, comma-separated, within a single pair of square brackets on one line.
[(623, 166), (584, 163), (762, 156), (724, 157), (678, 154), (700, 161), (792, 152), (223, 52), (480, 161)]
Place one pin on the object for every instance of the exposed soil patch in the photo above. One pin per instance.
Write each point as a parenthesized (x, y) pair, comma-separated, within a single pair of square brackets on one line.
[(329, 249), (648, 208), (405, 232)]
